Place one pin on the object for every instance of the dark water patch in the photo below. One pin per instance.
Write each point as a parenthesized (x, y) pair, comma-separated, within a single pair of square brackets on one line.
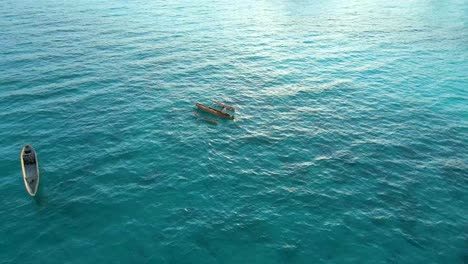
[(413, 242), (150, 180)]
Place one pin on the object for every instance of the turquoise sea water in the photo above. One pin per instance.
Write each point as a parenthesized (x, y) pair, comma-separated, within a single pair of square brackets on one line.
[(349, 144)]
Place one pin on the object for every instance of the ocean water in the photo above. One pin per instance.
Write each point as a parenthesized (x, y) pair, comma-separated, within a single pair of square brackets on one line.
[(349, 143)]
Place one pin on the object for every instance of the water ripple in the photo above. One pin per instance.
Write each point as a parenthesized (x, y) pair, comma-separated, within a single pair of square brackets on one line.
[(349, 143)]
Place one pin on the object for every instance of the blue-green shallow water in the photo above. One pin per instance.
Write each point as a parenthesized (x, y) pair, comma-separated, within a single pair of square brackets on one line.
[(349, 146)]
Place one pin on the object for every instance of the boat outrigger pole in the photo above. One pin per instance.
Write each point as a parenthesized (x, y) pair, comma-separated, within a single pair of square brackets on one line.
[(228, 107)]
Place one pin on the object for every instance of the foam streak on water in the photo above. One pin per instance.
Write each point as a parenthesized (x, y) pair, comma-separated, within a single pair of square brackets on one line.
[(349, 144)]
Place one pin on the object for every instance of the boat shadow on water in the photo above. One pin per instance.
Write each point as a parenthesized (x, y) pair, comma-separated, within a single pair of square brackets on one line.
[(40, 199), (205, 117)]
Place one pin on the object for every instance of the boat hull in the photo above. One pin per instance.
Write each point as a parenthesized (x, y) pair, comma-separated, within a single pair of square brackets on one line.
[(214, 111), (30, 168)]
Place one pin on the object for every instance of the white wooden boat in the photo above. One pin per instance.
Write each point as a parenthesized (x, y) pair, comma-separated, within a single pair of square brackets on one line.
[(30, 167)]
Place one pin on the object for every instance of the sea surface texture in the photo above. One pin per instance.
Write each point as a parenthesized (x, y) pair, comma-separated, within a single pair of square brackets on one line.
[(349, 143)]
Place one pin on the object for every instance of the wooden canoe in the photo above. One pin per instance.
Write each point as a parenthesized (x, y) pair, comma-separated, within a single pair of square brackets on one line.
[(30, 168), (214, 111)]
